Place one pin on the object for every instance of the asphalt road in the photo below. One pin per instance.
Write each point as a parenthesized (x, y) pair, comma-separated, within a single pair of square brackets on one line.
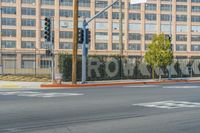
[(168, 108)]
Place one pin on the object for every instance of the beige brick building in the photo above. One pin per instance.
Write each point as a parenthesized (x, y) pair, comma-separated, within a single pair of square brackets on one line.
[(22, 24)]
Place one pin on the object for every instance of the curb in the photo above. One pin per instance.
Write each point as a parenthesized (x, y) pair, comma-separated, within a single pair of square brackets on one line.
[(113, 84)]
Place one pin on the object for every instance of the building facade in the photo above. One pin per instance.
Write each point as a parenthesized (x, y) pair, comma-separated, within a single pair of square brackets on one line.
[(22, 23)]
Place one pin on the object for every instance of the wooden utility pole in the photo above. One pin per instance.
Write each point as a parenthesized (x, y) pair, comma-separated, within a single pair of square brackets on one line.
[(75, 41)]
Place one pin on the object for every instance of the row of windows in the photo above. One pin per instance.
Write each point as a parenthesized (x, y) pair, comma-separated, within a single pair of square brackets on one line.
[(69, 13), (99, 35), (82, 3), (103, 25), (98, 46)]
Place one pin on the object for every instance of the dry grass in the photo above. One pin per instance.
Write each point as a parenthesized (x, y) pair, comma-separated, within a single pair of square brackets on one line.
[(27, 78)]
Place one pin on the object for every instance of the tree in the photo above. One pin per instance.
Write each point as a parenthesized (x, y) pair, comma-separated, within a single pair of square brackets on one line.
[(159, 53)]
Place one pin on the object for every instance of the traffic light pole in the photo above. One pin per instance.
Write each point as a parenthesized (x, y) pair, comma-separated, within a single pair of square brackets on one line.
[(52, 47), (84, 54)]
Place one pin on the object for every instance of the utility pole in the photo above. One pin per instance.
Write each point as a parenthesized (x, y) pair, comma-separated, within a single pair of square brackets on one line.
[(75, 41), (120, 29), (170, 34)]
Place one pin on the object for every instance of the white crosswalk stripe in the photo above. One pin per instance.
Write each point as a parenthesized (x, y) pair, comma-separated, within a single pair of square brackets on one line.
[(186, 87), (169, 104), (38, 94)]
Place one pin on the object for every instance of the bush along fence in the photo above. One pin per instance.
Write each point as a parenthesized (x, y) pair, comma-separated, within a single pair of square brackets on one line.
[(116, 67)]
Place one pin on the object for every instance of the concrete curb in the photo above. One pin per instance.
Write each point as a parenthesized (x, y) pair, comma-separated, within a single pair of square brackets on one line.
[(114, 84)]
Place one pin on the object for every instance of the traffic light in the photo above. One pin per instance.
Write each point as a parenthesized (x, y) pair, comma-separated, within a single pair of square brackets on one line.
[(80, 35), (88, 36), (47, 29)]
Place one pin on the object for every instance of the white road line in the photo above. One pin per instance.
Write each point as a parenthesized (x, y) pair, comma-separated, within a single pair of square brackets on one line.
[(140, 86), (39, 94), (187, 87), (169, 104)]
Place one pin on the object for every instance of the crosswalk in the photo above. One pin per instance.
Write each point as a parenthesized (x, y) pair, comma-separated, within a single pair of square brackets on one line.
[(169, 104), (37, 94)]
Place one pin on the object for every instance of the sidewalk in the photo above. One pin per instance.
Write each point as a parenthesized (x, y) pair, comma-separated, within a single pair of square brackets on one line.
[(17, 85), (120, 82)]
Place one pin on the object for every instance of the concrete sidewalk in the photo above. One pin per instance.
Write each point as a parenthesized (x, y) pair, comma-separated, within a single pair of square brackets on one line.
[(16, 85)]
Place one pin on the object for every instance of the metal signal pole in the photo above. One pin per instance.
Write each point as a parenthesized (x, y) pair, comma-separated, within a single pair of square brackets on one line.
[(75, 41)]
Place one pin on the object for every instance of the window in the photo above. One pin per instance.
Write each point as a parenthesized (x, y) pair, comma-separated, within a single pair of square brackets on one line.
[(195, 18), (165, 27), (47, 12), (44, 63), (65, 34), (47, 2), (66, 13), (135, 6), (148, 36), (165, 17), (150, 6), (28, 33), (115, 36), (101, 35), (8, 33), (101, 26), (195, 38), (134, 36), (181, 47), (28, 11), (134, 16), (195, 28), (8, 10), (28, 22), (84, 3), (28, 1), (66, 2), (181, 8), (181, 0), (195, 47), (135, 27), (66, 24), (181, 18), (101, 4), (84, 14), (150, 17), (133, 46), (8, 44), (195, 8), (181, 28), (181, 37), (65, 45), (28, 61), (101, 46), (9, 21), (115, 15), (116, 5), (102, 15), (9, 1), (115, 46), (195, 1), (27, 44), (165, 7), (150, 27)]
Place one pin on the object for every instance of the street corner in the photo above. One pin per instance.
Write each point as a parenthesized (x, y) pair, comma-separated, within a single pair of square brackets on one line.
[(9, 85)]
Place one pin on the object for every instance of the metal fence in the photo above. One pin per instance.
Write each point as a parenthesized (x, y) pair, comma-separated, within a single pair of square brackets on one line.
[(25, 63)]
